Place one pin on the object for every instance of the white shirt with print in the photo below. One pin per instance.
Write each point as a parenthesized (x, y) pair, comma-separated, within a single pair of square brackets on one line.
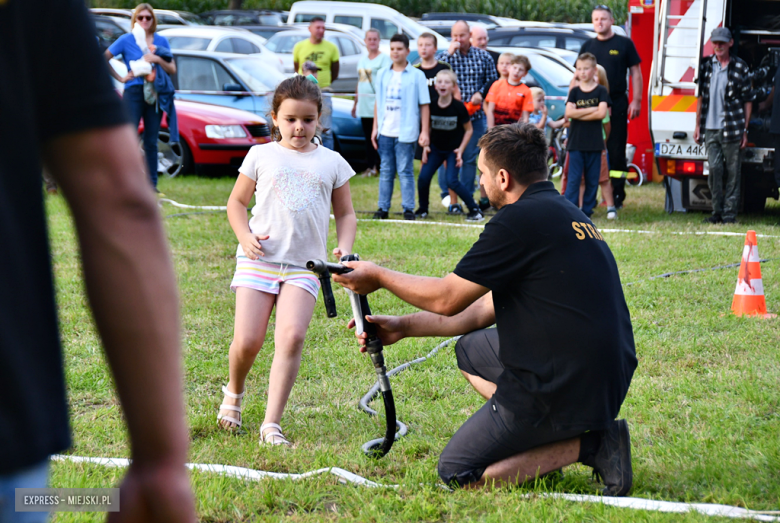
[(292, 200), (391, 126)]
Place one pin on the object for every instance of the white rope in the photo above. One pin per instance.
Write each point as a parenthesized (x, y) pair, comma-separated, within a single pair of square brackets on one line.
[(708, 509)]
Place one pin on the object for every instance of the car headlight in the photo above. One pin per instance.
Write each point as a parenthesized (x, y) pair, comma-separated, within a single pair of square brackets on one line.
[(225, 131)]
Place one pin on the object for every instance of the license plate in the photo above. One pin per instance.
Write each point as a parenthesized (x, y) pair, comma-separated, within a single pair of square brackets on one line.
[(679, 149)]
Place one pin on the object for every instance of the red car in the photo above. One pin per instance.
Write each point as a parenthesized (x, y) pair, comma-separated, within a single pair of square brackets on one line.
[(211, 137)]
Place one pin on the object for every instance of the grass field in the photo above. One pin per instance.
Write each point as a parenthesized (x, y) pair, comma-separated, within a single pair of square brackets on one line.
[(704, 405)]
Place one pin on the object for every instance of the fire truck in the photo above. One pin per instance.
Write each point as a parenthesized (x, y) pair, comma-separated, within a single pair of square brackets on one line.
[(682, 32)]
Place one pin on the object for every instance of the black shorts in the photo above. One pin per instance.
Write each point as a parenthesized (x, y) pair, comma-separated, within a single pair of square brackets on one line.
[(494, 432)]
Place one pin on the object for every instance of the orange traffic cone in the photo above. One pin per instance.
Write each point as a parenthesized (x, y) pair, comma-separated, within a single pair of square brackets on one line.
[(749, 294)]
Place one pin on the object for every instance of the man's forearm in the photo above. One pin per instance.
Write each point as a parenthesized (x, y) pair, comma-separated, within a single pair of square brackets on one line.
[(636, 84), (424, 292), (130, 282), (478, 315)]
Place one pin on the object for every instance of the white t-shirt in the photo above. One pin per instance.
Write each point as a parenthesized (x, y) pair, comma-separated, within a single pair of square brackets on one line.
[(391, 125), (293, 199)]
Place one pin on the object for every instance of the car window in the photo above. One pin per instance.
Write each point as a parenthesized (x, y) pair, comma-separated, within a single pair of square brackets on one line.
[(242, 46), (107, 32), (192, 18), (256, 74), (225, 46), (498, 42), (356, 21), (201, 74), (269, 19), (533, 41), (189, 43), (573, 44), (283, 44), (551, 70), (264, 33), (530, 81), (305, 18), (386, 29), (346, 46), (168, 20)]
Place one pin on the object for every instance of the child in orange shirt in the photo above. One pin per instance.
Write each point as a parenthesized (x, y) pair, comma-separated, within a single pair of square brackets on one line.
[(510, 100)]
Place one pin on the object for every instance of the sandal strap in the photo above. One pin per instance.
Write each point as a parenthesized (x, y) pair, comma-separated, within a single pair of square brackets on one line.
[(230, 419), (230, 407), (271, 435), (270, 426), (233, 394)]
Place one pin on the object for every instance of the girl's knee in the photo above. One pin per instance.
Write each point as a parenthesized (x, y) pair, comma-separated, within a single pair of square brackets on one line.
[(247, 346), (290, 343)]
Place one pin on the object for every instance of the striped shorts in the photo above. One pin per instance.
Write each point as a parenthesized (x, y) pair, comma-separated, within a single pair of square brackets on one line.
[(268, 277)]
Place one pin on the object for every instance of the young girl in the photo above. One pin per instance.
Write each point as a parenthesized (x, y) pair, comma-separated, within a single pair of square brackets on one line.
[(451, 131), (294, 182)]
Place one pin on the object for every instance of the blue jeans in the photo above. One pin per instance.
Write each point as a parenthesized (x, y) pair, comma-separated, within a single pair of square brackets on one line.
[(435, 158), (396, 156), (36, 476), (589, 164), (468, 171), (138, 108), (326, 120)]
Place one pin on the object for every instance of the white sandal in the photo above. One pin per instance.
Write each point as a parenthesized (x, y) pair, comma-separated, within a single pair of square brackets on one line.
[(273, 438), (234, 408)]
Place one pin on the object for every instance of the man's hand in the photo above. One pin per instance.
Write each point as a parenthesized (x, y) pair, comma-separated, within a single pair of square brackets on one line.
[(476, 98), (454, 46), (697, 134), (388, 328), (364, 278), (250, 243), (157, 493), (744, 142), (634, 109)]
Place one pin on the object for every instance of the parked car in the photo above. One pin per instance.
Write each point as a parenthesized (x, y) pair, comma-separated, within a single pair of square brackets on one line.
[(536, 36), (468, 17), (351, 50), (108, 30), (223, 40), (265, 31), (244, 82), (444, 27), (548, 71), (165, 18), (617, 29), (364, 16), (244, 17)]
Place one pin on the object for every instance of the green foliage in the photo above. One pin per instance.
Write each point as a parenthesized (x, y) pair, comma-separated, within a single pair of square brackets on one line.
[(569, 11)]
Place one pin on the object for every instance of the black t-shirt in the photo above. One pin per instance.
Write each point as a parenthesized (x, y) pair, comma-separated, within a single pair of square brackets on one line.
[(447, 125), (615, 55), (54, 81), (565, 335), (430, 75), (585, 135)]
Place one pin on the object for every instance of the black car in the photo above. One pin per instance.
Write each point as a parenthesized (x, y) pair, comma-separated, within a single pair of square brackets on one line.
[(244, 17), (107, 30), (266, 31), (538, 36)]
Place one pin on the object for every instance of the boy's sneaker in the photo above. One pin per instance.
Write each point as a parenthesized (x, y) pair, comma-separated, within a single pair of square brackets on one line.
[(726, 221), (421, 213), (380, 215), (474, 216), (455, 210), (409, 215), (612, 462), (445, 202), (715, 218), (611, 213), (484, 204)]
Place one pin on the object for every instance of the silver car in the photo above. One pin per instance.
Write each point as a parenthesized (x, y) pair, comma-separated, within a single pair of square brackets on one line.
[(351, 50)]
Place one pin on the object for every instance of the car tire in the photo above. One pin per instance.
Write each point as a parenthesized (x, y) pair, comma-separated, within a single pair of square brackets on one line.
[(172, 158)]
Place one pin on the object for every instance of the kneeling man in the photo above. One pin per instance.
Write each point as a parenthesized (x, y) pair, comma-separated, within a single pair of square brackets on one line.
[(558, 365)]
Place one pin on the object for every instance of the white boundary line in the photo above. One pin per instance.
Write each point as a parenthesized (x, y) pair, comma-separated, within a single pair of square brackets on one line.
[(708, 509), (475, 226)]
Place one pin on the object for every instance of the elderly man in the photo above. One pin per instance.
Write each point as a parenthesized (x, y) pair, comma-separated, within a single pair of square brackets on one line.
[(476, 70), (326, 55), (558, 366), (617, 54)]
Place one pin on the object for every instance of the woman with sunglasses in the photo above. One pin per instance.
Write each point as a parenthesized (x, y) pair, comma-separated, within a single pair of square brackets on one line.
[(137, 107)]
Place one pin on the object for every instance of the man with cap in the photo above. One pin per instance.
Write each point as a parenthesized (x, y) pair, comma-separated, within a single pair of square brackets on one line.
[(722, 116), (617, 55)]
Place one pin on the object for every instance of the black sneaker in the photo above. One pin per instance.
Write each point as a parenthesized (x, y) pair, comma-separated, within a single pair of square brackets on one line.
[(474, 216), (484, 204), (421, 213), (455, 210), (612, 462), (715, 218), (729, 220), (380, 215), (409, 215)]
